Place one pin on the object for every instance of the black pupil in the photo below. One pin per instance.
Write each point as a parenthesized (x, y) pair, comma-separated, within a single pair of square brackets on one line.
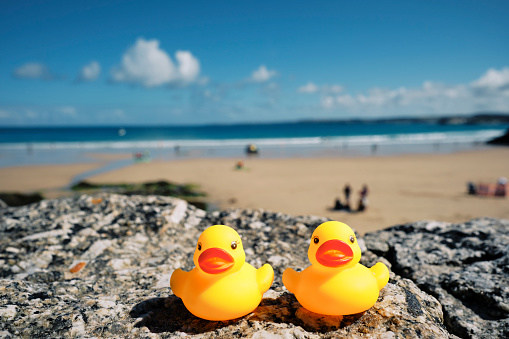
[(199, 247), (234, 245), (315, 240), (351, 239)]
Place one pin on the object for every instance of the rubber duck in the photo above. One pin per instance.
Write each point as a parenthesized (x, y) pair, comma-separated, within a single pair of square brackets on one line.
[(222, 286), (335, 283)]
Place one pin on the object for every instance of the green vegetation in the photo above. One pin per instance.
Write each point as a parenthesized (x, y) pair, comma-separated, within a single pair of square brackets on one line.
[(14, 199), (188, 192)]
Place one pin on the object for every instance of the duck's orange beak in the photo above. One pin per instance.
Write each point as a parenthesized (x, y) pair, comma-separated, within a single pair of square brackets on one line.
[(215, 260), (334, 253)]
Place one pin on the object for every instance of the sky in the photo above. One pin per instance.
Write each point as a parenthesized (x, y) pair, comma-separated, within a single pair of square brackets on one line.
[(68, 63)]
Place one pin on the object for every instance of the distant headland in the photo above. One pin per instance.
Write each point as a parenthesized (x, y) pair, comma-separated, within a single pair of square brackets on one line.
[(481, 118)]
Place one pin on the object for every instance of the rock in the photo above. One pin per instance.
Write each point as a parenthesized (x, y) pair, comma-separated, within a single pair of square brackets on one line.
[(188, 191), (501, 140), (19, 199), (8, 312), (465, 266), (402, 310), (99, 266)]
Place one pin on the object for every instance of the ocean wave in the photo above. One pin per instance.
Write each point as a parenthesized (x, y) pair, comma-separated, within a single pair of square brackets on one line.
[(358, 140)]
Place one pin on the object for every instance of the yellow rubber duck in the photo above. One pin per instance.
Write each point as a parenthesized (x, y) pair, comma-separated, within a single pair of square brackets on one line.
[(222, 286), (335, 283)]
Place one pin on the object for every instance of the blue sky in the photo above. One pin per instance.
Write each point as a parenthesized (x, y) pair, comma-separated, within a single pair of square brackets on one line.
[(197, 62)]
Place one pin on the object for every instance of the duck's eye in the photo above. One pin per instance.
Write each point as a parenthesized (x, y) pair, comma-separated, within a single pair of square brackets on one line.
[(352, 239), (234, 245), (199, 247), (316, 240)]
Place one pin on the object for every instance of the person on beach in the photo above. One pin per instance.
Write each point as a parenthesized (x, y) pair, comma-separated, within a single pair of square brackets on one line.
[(363, 200), (374, 148), (338, 206), (492, 190), (501, 187), (471, 189), (346, 191), (251, 149)]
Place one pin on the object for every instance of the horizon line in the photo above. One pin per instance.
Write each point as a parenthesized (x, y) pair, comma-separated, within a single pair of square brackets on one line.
[(386, 119)]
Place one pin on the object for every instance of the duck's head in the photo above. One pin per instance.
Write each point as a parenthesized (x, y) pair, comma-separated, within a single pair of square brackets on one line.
[(219, 251), (334, 245)]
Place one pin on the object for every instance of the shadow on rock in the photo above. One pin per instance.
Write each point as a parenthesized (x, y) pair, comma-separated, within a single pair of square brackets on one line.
[(285, 309), (170, 315)]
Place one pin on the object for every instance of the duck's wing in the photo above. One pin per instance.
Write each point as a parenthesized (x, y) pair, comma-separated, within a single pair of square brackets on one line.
[(290, 279), (177, 281), (381, 273), (264, 277)]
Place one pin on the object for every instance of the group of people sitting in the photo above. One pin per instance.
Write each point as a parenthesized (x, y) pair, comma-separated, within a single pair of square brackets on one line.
[(494, 190), (362, 203)]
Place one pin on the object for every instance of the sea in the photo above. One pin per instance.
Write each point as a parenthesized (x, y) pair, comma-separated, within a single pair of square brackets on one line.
[(58, 145)]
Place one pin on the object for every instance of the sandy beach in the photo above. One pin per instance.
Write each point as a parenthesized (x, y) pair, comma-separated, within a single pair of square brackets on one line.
[(45, 178), (402, 188)]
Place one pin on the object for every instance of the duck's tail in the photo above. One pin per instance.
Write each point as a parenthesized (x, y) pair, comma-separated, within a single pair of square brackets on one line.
[(381, 273), (264, 277), (178, 281), (290, 278)]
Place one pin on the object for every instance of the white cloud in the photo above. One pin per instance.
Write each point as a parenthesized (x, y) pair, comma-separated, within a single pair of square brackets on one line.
[(67, 110), (345, 100), (311, 87), (308, 88), (33, 70), (333, 89), (489, 92), (327, 102), (29, 113), (493, 80), (262, 74), (146, 64), (189, 66), (380, 96), (90, 72)]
